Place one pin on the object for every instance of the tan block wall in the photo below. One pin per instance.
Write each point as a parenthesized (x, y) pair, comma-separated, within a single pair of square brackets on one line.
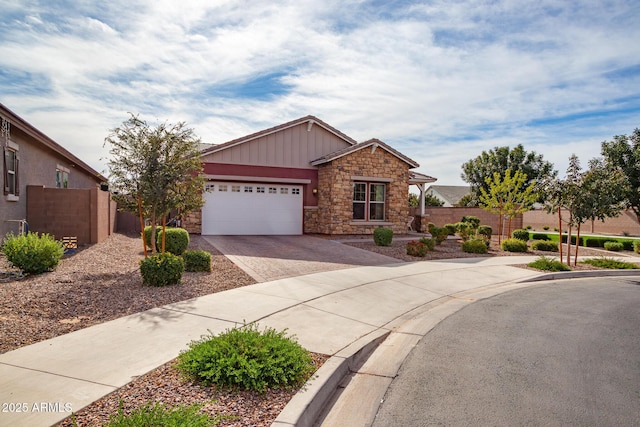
[(335, 192), (88, 214), (625, 223)]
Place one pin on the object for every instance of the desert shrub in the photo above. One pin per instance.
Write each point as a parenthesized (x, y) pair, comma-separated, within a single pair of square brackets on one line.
[(431, 243), (514, 245), (162, 269), (439, 234), (613, 246), (197, 260), (248, 359), (416, 248), (521, 235), (636, 246), (32, 253), (604, 262), (548, 264), (544, 245), (473, 220), (475, 246), (540, 236), (382, 236), (160, 415), (451, 229), (464, 230), (176, 240), (486, 231)]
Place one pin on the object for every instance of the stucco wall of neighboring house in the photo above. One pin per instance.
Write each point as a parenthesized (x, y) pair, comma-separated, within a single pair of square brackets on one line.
[(37, 166), (335, 191)]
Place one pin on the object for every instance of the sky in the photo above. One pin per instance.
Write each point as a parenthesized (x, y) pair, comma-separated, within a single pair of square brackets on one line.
[(440, 81)]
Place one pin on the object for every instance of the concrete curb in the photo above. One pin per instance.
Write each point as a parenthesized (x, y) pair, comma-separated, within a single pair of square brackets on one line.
[(561, 275)]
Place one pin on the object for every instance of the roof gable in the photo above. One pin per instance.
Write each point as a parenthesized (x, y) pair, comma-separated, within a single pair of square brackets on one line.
[(374, 143)]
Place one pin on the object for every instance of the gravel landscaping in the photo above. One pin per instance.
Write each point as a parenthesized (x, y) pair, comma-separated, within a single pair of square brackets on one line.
[(102, 282)]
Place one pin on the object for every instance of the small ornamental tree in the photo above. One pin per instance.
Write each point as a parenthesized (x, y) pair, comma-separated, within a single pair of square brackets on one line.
[(154, 170), (508, 196)]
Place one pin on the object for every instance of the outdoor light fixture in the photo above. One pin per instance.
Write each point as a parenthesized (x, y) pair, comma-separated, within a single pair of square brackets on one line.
[(314, 191)]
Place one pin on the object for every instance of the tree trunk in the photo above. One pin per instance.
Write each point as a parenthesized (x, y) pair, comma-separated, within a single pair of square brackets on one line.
[(569, 241), (560, 230), (575, 259), (144, 244), (153, 233), (164, 230)]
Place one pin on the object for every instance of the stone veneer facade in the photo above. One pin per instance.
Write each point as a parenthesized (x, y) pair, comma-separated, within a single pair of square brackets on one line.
[(335, 191)]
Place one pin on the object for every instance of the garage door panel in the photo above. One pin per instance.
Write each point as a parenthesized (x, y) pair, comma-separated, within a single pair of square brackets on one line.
[(275, 210)]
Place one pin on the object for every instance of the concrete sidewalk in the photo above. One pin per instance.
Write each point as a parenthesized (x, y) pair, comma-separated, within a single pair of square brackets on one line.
[(339, 313)]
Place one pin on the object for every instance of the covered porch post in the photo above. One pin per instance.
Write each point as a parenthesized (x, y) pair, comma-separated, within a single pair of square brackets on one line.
[(420, 180)]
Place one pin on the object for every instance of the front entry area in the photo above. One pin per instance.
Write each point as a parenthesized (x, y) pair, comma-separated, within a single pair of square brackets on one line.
[(249, 208)]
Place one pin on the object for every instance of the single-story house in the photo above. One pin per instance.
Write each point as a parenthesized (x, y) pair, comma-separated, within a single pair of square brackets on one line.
[(449, 194), (48, 186), (304, 176)]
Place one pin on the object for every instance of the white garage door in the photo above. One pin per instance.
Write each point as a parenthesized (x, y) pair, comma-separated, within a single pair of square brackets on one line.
[(252, 208)]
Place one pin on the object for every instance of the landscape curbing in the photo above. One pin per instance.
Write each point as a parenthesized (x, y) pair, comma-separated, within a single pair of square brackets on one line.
[(319, 402)]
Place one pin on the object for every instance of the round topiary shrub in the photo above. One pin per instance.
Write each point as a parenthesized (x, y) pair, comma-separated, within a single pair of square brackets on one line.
[(248, 359), (430, 243), (162, 269), (176, 240), (514, 245), (521, 235), (382, 236), (464, 230), (32, 253), (613, 246), (636, 246), (486, 231), (439, 234), (544, 245), (473, 220), (540, 236), (415, 248), (451, 229), (475, 246), (147, 235), (197, 260)]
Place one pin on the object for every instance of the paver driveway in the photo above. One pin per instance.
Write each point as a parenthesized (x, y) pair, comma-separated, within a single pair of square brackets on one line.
[(268, 258)]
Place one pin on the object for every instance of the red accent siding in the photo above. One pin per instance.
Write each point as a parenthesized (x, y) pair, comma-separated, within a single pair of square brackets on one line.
[(269, 172)]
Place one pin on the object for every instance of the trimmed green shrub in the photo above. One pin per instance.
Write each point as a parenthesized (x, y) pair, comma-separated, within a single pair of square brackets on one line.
[(430, 243), (514, 245), (197, 260), (162, 269), (574, 239), (464, 230), (160, 415), (544, 245), (247, 358), (528, 227), (521, 235), (416, 248), (540, 236), (451, 229), (176, 240), (475, 246), (614, 246), (33, 253), (545, 228), (636, 246), (147, 235), (627, 244), (548, 264), (604, 262), (473, 220), (486, 231), (382, 236), (439, 234)]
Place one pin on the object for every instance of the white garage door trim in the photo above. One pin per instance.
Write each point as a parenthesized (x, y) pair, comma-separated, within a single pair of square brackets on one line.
[(250, 208)]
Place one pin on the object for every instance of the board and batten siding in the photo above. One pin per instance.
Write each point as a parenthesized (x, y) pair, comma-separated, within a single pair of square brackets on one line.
[(294, 147)]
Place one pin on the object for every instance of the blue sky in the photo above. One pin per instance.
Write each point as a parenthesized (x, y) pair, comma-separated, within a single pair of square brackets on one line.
[(441, 81)]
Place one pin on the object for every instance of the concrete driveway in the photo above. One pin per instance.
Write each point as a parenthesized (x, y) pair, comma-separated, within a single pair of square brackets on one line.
[(267, 258)]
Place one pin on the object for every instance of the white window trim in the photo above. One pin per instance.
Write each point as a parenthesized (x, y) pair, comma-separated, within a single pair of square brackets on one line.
[(15, 147)]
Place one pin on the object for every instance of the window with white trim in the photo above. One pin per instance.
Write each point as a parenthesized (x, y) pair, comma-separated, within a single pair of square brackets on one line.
[(222, 187), (272, 190), (295, 191), (10, 167), (235, 188), (62, 177), (259, 189), (284, 190), (248, 189), (369, 201)]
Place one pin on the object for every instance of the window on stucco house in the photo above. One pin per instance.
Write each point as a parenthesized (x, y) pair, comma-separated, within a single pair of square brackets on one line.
[(62, 177), (10, 167), (368, 201)]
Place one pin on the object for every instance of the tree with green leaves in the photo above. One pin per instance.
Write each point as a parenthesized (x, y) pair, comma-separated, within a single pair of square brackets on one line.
[(501, 159), (155, 170), (429, 200), (508, 196), (623, 154)]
